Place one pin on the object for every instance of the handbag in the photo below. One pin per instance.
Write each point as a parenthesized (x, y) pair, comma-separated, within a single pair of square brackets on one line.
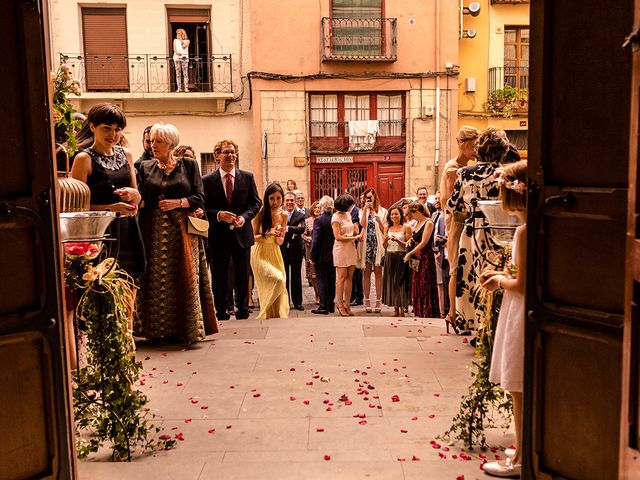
[(414, 264), (197, 226)]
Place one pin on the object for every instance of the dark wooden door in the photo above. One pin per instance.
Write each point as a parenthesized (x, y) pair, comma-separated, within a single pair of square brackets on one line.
[(630, 418), (390, 183), (34, 387), (578, 158)]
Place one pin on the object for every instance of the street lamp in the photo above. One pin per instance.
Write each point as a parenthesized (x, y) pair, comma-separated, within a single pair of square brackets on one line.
[(474, 10)]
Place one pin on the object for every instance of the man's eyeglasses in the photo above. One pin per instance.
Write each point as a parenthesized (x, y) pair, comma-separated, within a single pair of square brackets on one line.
[(227, 152)]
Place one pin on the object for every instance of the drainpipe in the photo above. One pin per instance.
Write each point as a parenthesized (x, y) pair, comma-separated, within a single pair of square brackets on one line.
[(437, 109)]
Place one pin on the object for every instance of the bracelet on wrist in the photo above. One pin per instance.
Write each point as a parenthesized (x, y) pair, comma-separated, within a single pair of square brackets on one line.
[(500, 282)]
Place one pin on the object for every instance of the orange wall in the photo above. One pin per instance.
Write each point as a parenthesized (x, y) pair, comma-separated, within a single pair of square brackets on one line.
[(286, 37)]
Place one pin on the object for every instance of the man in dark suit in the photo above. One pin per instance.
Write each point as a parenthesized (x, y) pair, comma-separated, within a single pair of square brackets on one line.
[(231, 202), (293, 250), (300, 204), (322, 257)]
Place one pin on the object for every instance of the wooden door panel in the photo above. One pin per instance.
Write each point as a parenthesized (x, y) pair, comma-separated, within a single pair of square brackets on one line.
[(578, 159), (27, 419), (573, 249), (574, 404), (34, 373)]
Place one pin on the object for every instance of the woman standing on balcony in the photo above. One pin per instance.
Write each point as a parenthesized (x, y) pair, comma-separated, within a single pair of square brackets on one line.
[(181, 59)]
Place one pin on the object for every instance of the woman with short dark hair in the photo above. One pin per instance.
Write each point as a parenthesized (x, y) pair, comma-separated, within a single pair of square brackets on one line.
[(373, 217)]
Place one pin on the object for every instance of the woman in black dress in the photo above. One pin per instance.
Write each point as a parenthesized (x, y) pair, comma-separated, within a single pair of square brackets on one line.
[(176, 299), (108, 170)]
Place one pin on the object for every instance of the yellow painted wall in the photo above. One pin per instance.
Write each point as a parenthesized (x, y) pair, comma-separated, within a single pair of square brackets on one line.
[(479, 54)]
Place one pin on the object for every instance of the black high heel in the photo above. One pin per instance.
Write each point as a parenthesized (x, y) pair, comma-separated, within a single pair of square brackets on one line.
[(450, 323)]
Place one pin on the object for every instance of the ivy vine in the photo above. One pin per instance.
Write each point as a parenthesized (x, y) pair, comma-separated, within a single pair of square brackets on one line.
[(486, 404), (107, 407), (64, 84)]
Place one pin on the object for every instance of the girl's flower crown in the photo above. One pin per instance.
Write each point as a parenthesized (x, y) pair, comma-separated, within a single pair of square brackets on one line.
[(503, 181)]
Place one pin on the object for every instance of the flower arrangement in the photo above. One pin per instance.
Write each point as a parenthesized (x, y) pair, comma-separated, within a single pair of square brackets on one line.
[(106, 405), (484, 400), (512, 184), (64, 84)]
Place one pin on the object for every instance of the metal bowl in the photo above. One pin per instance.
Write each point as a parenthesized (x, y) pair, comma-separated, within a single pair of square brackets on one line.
[(77, 226), (502, 224)]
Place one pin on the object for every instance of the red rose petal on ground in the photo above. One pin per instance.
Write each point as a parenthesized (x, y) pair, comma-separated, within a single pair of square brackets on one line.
[(445, 449), (256, 395), (415, 459), (180, 436), (194, 400), (460, 477), (482, 455), (228, 427), (436, 394), (454, 456), (179, 384), (432, 416), (498, 457), (292, 369), (306, 402), (362, 422), (165, 437), (325, 400), (327, 457), (401, 459), (187, 420), (204, 407), (465, 341), (442, 455), (147, 358), (348, 402), (328, 409), (309, 383), (166, 381), (189, 363), (395, 398), (211, 430), (232, 386), (414, 418), (292, 398), (319, 429), (170, 371), (164, 354), (404, 431)]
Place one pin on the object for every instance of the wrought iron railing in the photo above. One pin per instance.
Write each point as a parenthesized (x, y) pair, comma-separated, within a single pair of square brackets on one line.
[(334, 137), (501, 77), (359, 39), (149, 73)]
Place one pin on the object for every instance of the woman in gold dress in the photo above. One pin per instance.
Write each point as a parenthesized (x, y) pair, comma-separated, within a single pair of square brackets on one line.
[(267, 265)]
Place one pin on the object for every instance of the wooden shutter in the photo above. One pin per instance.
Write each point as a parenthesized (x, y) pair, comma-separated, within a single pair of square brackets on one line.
[(189, 15), (105, 49)]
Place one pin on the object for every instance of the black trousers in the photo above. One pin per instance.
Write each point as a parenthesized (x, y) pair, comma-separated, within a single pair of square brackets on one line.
[(293, 267), (220, 259), (326, 280), (357, 293), (446, 276)]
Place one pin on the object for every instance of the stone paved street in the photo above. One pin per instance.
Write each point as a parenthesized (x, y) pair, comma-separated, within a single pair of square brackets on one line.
[(272, 392)]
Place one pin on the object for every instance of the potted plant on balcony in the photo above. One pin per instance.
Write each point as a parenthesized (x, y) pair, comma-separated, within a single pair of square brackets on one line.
[(502, 101)]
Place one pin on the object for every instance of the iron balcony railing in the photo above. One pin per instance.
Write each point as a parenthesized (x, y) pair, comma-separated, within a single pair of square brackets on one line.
[(515, 77), (359, 39), (333, 137), (500, 2), (149, 73)]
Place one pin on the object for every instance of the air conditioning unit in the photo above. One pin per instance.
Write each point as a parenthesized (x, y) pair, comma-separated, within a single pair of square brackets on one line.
[(470, 85), (427, 110)]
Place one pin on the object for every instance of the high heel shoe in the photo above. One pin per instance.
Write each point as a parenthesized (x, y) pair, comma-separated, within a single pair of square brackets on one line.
[(367, 305), (378, 308), (450, 323), (342, 310), (348, 310)]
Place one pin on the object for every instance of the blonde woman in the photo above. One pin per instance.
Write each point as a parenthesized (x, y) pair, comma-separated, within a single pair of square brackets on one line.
[(307, 236), (181, 59), (467, 138)]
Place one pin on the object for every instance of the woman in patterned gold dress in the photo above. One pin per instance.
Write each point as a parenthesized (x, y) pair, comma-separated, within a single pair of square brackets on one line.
[(267, 264), (176, 301)]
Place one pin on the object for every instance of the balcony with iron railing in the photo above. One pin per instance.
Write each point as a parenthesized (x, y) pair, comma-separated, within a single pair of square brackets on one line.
[(508, 91), (334, 137), (359, 39), (508, 2), (150, 73)]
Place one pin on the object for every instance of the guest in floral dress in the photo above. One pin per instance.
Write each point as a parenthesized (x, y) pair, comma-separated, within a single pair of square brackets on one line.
[(475, 182), (373, 218), (307, 236)]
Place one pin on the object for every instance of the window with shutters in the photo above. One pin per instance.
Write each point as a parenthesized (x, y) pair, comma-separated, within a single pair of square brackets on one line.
[(105, 49)]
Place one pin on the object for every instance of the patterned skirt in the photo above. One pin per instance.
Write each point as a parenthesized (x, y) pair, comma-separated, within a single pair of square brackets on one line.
[(175, 301)]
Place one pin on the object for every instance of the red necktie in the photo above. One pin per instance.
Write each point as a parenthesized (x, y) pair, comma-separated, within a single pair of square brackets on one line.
[(228, 186)]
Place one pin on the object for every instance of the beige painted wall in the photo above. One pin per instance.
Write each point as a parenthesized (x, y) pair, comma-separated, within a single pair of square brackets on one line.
[(147, 33)]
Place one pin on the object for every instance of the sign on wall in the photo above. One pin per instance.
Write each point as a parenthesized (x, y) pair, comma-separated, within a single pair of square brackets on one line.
[(334, 159)]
